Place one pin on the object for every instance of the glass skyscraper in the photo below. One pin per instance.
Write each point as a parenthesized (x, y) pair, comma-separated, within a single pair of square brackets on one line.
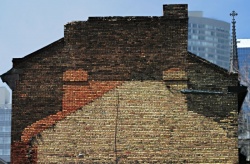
[(243, 47), (209, 39), (5, 124)]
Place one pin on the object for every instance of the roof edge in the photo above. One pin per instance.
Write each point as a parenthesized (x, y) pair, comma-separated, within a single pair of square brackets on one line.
[(212, 65), (17, 61)]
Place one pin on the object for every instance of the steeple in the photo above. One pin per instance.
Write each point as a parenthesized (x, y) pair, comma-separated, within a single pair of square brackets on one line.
[(234, 65)]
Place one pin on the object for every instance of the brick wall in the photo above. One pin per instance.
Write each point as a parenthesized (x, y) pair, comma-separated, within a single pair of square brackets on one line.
[(36, 96), (132, 55), (126, 48), (223, 107), (108, 48), (145, 122)]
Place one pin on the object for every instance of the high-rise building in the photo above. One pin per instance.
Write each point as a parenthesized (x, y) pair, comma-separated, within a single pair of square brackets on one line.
[(243, 48), (243, 53), (5, 124), (209, 38)]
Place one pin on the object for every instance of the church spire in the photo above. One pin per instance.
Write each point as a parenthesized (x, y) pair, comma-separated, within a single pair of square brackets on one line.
[(234, 65)]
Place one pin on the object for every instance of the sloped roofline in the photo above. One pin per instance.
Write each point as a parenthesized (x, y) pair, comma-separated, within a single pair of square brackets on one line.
[(212, 65), (17, 61)]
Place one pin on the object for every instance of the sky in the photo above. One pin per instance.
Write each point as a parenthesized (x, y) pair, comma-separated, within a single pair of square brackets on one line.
[(28, 25)]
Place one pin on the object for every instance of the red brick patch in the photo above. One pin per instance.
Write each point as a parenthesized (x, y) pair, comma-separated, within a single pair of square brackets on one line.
[(74, 97)]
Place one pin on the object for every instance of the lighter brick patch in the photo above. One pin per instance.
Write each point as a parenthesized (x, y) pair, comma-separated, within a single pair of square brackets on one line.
[(151, 123)]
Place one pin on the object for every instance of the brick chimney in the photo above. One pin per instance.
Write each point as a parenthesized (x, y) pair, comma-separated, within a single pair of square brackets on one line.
[(176, 10)]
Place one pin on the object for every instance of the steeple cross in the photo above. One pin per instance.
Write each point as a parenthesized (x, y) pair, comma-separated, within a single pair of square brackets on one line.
[(234, 65), (233, 14)]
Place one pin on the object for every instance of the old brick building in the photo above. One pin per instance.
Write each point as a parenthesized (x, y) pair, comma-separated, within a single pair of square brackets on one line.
[(123, 90)]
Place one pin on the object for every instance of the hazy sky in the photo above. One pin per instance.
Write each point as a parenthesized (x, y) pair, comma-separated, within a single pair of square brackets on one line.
[(28, 25)]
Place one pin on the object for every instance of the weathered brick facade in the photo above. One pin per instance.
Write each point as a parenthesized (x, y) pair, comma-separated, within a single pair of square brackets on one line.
[(125, 90)]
